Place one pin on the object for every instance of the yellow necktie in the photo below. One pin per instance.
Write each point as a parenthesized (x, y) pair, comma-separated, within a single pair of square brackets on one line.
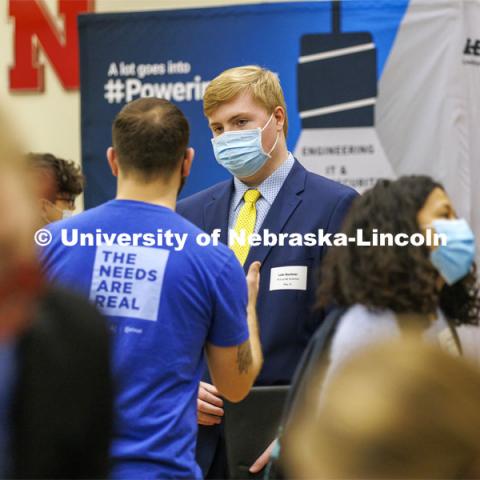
[(245, 222)]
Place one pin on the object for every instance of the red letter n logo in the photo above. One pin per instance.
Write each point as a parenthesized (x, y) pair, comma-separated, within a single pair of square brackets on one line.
[(35, 27)]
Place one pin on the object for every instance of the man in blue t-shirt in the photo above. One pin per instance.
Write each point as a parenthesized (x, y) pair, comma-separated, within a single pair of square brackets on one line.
[(167, 298)]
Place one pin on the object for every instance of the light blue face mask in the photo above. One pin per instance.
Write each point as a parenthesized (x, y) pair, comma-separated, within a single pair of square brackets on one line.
[(454, 260), (241, 151)]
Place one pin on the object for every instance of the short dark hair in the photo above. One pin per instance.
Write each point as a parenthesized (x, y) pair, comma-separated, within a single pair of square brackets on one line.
[(67, 175), (150, 137), (401, 279)]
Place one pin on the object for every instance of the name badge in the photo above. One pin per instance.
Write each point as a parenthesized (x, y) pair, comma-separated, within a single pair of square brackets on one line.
[(288, 278)]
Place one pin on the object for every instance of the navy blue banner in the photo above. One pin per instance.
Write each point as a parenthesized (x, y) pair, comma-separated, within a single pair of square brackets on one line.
[(174, 54)]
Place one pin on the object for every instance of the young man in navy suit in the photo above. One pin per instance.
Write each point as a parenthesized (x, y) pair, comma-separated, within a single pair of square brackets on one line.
[(270, 190)]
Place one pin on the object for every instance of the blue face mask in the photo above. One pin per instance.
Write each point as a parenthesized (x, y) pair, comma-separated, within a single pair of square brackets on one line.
[(454, 260), (241, 151)]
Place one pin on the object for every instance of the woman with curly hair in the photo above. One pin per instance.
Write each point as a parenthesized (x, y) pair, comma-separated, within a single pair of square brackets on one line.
[(388, 289), (380, 293)]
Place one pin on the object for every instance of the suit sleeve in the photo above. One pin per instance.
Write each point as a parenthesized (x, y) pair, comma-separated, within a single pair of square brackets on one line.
[(340, 211)]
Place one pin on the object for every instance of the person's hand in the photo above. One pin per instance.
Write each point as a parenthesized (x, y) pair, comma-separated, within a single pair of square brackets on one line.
[(209, 405), (253, 283), (261, 462)]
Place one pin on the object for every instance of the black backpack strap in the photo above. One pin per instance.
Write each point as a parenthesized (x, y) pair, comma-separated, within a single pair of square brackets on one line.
[(310, 359), (306, 368)]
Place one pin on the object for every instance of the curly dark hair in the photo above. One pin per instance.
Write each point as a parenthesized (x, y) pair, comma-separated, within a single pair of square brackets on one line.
[(68, 177), (401, 279)]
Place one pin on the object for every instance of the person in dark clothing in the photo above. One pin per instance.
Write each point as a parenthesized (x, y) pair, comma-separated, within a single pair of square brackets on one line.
[(62, 414)]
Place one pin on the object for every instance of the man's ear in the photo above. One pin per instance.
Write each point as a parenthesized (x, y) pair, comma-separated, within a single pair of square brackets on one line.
[(187, 162), (279, 114), (112, 161)]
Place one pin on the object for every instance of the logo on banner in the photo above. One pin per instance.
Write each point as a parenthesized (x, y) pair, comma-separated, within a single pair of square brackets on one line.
[(472, 47), (127, 281), (471, 52), (337, 90), (337, 93)]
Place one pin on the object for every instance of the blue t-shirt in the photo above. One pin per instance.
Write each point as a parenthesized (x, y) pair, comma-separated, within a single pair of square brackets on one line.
[(163, 305)]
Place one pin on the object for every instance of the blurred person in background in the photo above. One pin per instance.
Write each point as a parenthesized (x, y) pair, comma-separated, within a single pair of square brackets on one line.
[(58, 183), (55, 388), (403, 409)]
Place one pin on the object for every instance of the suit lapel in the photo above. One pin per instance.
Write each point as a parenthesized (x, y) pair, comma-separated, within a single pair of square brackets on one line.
[(217, 211), (284, 205)]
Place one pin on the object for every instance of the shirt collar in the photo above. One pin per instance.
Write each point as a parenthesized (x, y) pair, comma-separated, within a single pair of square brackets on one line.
[(269, 188)]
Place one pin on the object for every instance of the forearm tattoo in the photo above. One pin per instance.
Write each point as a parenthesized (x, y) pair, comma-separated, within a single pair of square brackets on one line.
[(244, 357)]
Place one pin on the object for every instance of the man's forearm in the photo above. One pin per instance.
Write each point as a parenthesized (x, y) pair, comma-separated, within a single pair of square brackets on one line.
[(255, 350)]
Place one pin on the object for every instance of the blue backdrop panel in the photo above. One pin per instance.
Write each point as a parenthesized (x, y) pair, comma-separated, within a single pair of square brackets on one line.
[(113, 48)]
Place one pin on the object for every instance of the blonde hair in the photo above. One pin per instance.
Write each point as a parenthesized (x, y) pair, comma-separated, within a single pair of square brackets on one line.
[(263, 84), (402, 409)]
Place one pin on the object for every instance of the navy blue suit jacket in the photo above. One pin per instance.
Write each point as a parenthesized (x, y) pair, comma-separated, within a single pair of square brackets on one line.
[(306, 203)]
